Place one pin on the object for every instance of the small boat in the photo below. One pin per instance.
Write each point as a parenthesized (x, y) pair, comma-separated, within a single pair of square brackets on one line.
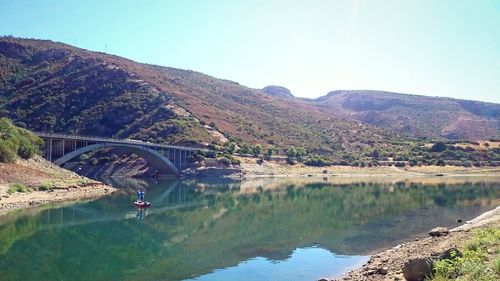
[(142, 204)]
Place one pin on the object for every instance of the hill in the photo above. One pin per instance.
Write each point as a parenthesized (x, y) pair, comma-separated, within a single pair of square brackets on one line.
[(418, 116), (55, 87)]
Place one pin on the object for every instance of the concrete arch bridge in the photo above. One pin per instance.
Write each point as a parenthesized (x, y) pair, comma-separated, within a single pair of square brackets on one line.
[(60, 149)]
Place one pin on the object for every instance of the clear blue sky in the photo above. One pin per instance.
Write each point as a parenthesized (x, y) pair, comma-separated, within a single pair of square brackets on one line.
[(429, 47)]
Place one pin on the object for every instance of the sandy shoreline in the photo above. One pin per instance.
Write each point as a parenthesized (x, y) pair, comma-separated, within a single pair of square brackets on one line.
[(19, 201)]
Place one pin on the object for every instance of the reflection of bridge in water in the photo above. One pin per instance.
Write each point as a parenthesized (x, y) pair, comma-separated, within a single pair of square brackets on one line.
[(173, 198)]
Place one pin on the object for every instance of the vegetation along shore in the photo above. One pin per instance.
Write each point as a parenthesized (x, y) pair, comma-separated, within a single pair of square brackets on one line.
[(28, 180)]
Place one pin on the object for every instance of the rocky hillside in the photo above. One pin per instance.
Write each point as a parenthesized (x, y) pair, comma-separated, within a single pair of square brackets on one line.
[(419, 116), (49, 86)]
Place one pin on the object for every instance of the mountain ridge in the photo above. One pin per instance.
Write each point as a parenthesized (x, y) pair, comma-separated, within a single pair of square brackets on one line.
[(52, 86)]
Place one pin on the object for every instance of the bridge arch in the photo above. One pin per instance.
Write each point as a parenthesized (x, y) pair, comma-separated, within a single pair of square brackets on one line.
[(152, 156)]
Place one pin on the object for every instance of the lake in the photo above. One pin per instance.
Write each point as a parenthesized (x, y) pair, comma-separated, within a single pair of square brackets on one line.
[(263, 229)]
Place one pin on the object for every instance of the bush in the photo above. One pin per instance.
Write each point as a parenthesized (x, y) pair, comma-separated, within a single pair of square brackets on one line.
[(224, 161), (198, 157), (290, 161), (15, 141), (235, 161), (45, 186), (26, 149), (438, 147), (17, 187), (316, 161), (84, 157), (399, 164), (7, 154), (257, 150), (291, 152), (441, 162), (94, 161), (473, 264)]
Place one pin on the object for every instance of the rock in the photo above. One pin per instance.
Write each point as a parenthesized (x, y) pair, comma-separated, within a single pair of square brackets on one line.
[(323, 279), (370, 272), (449, 254), (460, 220), (384, 270), (417, 269), (439, 231), (416, 239)]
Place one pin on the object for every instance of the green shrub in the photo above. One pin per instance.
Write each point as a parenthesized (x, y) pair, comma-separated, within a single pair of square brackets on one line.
[(235, 161), (7, 153), (17, 187), (17, 142), (473, 265), (45, 186)]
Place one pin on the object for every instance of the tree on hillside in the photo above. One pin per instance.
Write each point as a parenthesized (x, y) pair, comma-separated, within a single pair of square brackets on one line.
[(270, 151), (257, 149), (291, 152), (231, 149), (17, 142), (438, 147)]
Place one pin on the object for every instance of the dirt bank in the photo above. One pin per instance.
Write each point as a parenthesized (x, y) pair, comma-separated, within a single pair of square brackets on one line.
[(40, 182), (251, 169), (393, 259)]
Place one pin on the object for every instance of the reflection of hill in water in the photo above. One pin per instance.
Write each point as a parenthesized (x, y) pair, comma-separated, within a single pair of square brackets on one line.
[(217, 226)]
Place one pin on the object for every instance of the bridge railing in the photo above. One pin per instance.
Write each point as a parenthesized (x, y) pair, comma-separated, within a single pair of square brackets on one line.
[(110, 140)]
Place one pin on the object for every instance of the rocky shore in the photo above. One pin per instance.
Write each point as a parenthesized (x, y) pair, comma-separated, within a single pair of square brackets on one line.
[(410, 260)]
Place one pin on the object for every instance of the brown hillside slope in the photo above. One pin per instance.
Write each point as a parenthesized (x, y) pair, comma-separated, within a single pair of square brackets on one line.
[(56, 87)]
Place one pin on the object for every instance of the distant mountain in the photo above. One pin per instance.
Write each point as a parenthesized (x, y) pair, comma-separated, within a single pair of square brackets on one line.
[(418, 116), (277, 91), (55, 87)]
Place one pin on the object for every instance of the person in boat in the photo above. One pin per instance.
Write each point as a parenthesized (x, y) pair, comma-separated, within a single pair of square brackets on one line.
[(139, 192), (141, 196)]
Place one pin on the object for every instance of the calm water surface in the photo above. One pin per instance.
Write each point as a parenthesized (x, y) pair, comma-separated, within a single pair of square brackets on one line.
[(287, 229)]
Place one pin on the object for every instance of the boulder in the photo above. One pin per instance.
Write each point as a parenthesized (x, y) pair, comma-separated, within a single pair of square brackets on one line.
[(439, 231), (417, 269), (384, 270)]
